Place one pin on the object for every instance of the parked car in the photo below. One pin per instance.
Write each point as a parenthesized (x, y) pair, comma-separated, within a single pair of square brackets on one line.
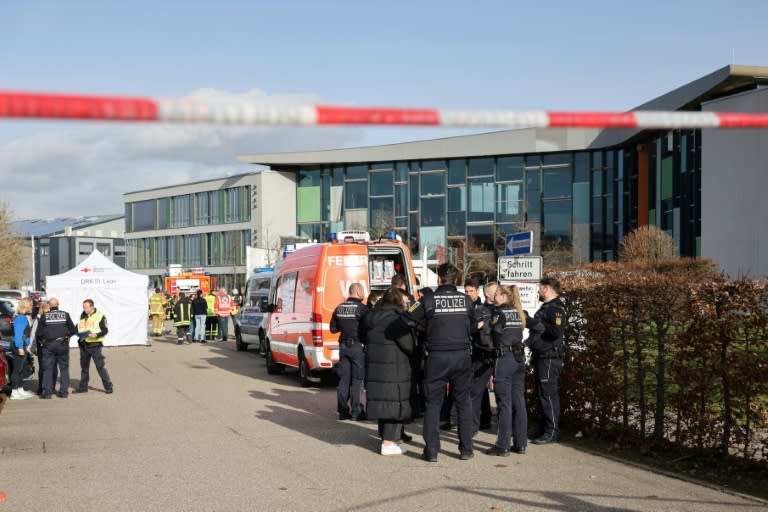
[(14, 296), (6, 318), (5, 384)]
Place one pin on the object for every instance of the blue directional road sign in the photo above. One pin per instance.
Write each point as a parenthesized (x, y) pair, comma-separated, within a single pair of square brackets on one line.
[(519, 243)]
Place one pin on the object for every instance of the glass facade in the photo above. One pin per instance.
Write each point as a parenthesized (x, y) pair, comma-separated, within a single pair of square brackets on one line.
[(226, 248), (578, 204), (223, 206)]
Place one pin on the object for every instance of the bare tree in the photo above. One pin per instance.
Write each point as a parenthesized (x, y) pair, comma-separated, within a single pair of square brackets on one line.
[(647, 245), (11, 250)]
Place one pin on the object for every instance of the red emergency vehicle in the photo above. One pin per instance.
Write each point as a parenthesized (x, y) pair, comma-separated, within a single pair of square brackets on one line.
[(309, 284), (190, 281)]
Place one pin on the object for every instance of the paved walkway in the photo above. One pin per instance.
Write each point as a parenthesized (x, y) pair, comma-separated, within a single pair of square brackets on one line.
[(204, 427)]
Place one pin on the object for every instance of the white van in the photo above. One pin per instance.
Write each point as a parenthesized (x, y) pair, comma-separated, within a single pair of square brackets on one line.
[(253, 314)]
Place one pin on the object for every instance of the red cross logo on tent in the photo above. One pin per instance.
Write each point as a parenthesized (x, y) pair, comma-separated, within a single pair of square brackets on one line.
[(86, 269)]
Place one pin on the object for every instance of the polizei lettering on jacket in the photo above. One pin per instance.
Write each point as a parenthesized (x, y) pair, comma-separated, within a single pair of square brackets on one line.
[(346, 311), (450, 304), (55, 317)]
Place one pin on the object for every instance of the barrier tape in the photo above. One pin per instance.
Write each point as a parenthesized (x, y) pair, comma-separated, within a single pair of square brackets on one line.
[(114, 108)]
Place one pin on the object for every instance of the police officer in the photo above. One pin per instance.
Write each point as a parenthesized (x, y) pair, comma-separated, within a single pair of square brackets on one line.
[(92, 329), (54, 329), (450, 323), (348, 320), (482, 357), (507, 324), (548, 350)]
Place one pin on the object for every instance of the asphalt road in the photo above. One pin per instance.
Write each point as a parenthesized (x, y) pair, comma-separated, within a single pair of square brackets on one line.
[(204, 427)]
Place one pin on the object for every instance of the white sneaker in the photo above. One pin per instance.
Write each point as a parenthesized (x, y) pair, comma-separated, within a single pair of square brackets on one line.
[(20, 394), (392, 449)]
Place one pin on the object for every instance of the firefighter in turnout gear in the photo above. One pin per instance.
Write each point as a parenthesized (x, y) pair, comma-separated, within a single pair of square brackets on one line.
[(182, 314), (157, 312)]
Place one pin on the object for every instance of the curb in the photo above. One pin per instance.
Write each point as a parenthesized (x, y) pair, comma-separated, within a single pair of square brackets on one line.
[(670, 474)]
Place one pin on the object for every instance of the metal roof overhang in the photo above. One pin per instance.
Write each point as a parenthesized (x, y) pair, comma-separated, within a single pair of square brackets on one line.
[(725, 81)]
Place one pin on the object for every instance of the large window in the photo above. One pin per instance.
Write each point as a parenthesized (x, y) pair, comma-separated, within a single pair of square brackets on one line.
[(357, 172), (480, 200), (355, 195), (144, 215), (509, 203), (182, 211), (433, 211), (457, 208), (510, 168), (432, 184), (381, 183), (163, 213), (457, 171), (480, 167), (380, 212)]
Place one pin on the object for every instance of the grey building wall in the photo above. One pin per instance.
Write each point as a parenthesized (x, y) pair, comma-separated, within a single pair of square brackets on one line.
[(59, 254), (734, 175)]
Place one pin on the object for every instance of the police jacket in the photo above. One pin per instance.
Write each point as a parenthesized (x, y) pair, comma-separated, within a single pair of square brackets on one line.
[(450, 317), (552, 316), (482, 340), (506, 327), (348, 320), (55, 325)]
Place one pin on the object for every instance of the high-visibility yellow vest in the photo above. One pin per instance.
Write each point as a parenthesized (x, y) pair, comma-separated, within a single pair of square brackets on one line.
[(210, 301), (91, 324), (157, 304)]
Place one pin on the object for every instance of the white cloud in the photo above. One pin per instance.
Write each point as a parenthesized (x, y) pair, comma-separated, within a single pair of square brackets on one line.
[(85, 170)]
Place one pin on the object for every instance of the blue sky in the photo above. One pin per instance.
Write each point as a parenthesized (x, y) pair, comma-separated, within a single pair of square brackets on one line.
[(484, 54)]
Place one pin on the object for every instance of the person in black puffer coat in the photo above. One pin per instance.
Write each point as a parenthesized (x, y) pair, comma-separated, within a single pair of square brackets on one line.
[(388, 370)]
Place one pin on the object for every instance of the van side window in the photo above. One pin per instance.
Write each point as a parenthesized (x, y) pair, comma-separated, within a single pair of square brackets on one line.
[(286, 292)]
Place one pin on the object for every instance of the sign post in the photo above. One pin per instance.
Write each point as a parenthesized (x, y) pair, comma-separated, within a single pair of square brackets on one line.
[(525, 273)]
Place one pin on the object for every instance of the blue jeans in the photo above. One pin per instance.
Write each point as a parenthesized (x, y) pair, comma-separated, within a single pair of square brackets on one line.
[(199, 327), (224, 327)]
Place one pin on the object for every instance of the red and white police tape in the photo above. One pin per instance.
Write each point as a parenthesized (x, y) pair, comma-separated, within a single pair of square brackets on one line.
[(187, 110)]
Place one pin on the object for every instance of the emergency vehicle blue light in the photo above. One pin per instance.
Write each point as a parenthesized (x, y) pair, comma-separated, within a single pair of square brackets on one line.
[(331, 236), (261, 269), (392, 235)]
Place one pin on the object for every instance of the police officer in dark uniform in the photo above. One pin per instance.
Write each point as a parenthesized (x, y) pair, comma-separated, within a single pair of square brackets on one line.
[(348, 320), (54, 329), (482, 358), (507, 324), (450, 323), (548, 350)]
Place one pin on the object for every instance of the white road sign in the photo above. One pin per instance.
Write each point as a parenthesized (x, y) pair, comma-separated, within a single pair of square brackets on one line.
[(520, 268)]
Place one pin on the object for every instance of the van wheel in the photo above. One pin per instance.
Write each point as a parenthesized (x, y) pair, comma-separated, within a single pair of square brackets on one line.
[(262, 343), (303, 371), (241, 347), (273, 368)]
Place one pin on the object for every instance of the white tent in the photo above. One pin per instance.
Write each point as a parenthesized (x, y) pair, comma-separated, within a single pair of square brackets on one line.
[(119, 294)]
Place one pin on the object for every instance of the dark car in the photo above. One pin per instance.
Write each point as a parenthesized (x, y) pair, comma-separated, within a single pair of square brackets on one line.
[(5, 385), (6, 318)]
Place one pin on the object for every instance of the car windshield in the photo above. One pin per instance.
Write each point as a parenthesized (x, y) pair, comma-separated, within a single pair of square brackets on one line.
[(6, 308), (10, 295)]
